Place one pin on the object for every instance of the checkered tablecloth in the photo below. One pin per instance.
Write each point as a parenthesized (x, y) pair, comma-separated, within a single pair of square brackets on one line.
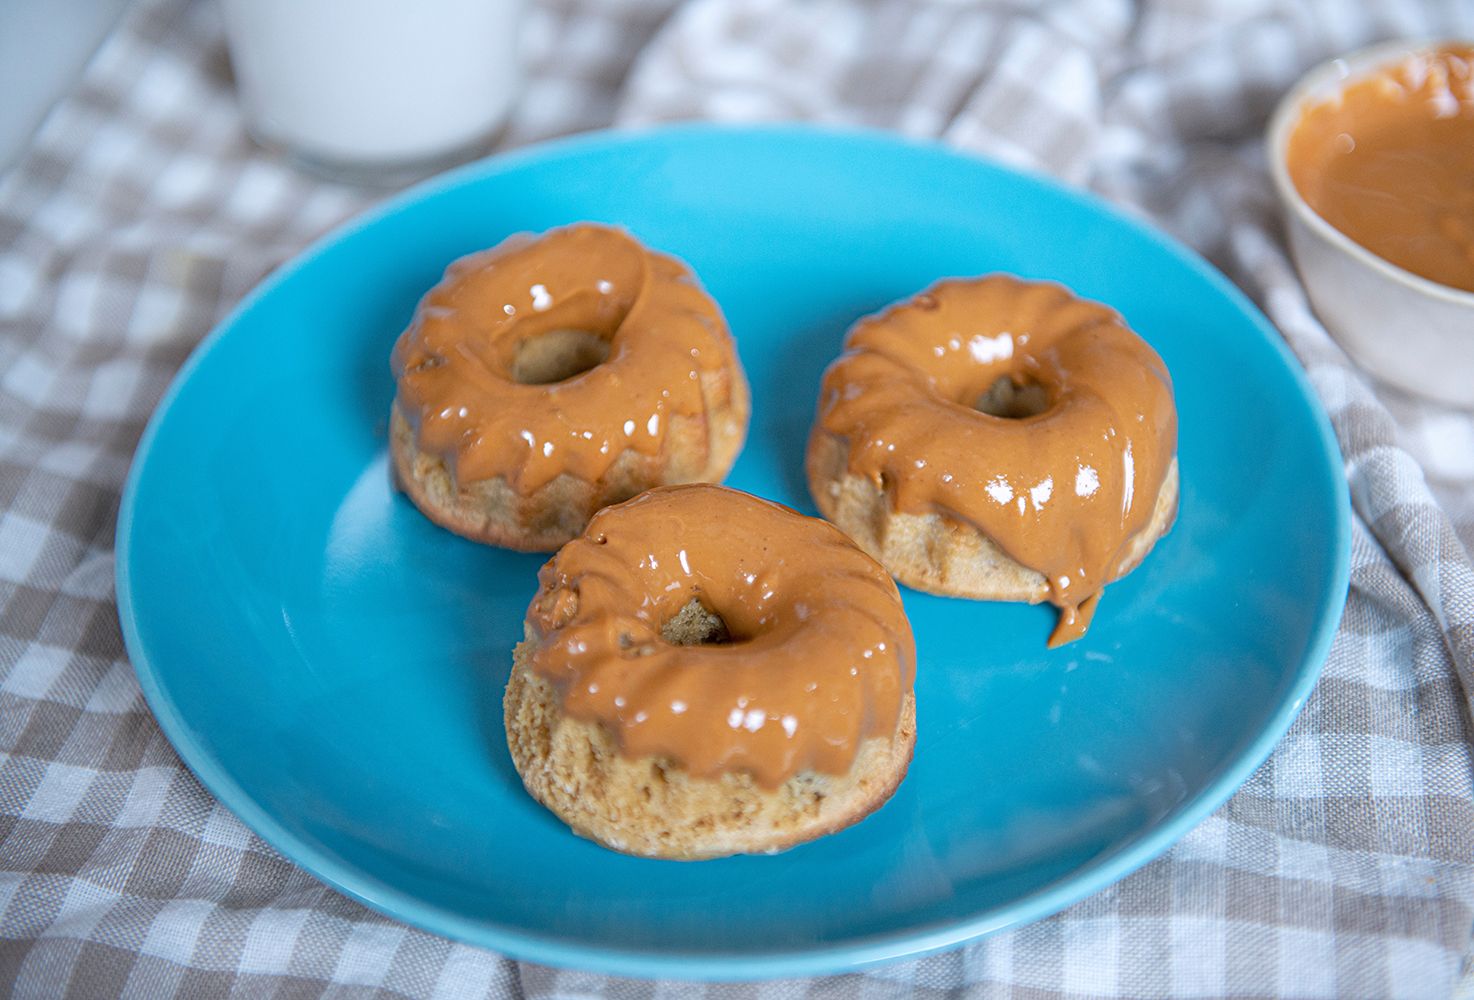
[(141, 213)]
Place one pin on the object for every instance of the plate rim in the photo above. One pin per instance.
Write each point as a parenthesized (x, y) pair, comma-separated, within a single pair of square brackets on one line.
[(842, 956)]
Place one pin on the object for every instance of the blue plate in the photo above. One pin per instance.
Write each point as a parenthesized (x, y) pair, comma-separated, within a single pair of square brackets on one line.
[(331, 664)]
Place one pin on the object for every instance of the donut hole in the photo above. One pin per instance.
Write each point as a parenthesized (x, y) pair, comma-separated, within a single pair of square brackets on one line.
[(696, 625), (557, 356), (1013, 398)]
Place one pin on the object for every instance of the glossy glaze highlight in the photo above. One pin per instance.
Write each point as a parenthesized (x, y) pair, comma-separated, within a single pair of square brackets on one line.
[(665, 347), (1063, 490), (818, 656)]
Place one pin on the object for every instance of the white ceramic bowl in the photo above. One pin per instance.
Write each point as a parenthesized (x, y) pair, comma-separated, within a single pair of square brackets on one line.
[(1402, 328)]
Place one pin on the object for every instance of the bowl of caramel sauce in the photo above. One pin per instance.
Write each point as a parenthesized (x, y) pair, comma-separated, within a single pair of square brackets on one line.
[(1373, 157)]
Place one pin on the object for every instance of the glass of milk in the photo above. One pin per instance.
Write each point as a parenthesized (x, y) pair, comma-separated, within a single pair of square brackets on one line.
[(375, 89)]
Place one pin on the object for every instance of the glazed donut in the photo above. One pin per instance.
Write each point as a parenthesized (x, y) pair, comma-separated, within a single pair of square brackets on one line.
[(999, 439), (551, 376), (707, 673)]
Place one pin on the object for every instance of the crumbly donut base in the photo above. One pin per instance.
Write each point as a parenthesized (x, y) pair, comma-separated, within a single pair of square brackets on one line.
[(651, 808), (491, 511), (941, 555)]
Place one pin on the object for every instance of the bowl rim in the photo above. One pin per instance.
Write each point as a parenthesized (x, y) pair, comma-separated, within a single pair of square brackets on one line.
[(1333, 74)]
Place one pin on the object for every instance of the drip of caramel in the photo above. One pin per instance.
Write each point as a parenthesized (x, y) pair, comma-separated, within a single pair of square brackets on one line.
[(1389, 161), (458, 363), (1063, 491), (818, 654)]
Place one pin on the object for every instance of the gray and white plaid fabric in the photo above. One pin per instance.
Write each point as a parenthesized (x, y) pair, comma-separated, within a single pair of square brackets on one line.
[(141, 213)]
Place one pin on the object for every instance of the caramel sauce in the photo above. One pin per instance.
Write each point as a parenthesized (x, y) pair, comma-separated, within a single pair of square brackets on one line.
[(459, 362), (819, 657), (1063, 491), (1389, 162)]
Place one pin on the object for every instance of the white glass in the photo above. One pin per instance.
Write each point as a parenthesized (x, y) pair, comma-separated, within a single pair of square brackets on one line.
[(375, 87)]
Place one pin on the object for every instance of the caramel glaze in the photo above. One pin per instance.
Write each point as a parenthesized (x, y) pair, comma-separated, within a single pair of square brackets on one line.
[(1390, 162), (1063, 491), (820, 658), (455, 362)]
